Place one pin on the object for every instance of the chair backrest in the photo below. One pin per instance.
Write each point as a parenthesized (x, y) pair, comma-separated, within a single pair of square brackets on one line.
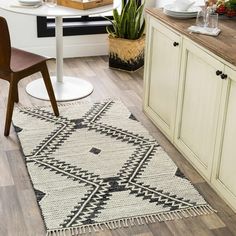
[(5, 47)]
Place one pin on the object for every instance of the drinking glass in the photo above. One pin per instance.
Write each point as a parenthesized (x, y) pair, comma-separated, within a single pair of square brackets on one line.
[(51, 3), (213, 20), (202, 19)]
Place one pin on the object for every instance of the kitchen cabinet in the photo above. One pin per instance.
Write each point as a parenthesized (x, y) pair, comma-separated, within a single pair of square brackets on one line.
[(198, 106), (190, 94), (224, 169), (162, 63)]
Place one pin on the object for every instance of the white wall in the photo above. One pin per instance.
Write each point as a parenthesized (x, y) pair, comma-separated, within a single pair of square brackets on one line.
[(23, 30)]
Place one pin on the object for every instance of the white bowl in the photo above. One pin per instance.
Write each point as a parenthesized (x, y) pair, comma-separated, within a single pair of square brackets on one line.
[(29, 2), (183, 5)]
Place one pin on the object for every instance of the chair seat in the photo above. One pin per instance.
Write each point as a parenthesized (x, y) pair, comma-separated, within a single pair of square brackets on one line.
[(21, 60), (16, 64)]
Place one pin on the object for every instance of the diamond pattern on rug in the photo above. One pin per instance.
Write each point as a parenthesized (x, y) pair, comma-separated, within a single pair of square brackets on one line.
[(95, 151), (95, 165), (61, 193)]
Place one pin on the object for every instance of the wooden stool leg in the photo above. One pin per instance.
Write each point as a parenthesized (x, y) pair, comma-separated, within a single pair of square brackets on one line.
[(10, 106), (48, 84)]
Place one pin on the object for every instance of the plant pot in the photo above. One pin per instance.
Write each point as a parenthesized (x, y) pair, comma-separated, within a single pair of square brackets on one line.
[(126, 54)]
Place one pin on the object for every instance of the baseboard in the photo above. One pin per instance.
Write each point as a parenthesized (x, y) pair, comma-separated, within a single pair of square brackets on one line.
[(70, 51)]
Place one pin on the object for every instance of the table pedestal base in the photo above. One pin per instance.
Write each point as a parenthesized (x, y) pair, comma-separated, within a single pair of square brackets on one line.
[(71, 88)]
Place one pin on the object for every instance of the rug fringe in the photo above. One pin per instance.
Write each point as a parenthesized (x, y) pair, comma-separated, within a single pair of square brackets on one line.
[(132, 221)]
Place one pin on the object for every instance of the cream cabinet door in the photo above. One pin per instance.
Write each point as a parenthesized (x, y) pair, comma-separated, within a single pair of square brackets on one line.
[(198, 106), (162, 62), (224, 171)]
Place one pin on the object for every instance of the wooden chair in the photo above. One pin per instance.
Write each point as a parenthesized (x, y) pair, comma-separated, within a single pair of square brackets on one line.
[(15, 65)]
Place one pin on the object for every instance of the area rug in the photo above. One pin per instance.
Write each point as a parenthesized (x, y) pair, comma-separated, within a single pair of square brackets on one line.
[(96, 167)]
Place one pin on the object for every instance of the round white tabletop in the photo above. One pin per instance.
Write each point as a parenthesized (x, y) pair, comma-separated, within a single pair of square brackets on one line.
[(65, 88), (44, 10)]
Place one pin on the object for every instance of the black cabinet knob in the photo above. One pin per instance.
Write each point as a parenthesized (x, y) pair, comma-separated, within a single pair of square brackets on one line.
[(218, 72), (175, 44), (224, 76)]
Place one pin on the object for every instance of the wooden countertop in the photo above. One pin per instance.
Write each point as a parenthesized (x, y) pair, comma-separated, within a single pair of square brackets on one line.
[(224, 45)]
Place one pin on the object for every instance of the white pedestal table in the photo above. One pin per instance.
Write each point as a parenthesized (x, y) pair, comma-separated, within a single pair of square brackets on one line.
[(65, 88)]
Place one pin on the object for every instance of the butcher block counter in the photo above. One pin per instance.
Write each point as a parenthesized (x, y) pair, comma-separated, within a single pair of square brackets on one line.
[(224, 45), (190, 95)]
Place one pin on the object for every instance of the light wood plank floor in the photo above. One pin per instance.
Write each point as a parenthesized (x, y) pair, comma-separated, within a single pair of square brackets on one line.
[(19, 214)]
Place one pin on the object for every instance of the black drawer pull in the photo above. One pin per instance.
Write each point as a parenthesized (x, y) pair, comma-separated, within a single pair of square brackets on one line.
[(175, 44), (224, 76), (218, 72)]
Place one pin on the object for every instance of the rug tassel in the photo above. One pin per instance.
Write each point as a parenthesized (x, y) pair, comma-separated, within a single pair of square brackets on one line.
[(132, 221), (198, 211), (141, 220), (100, 227), (165, 217), (138, 221), (112, 225), (116, 224), (89, 229), (73, 232), (64, 232), (77, 231), (126, 223), (193, 212), (119, 223), (95, 228), (169, 216), (83, 230), (108, 225), (179, 215), (146, 219), (153, 218), (203, 210), (209, 208), (149, 219)]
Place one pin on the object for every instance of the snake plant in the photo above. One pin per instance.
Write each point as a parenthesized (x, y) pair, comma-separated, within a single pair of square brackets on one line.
[(129, 23)]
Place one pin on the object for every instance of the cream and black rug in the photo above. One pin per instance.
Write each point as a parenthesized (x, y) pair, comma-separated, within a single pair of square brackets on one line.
[(96, 167)]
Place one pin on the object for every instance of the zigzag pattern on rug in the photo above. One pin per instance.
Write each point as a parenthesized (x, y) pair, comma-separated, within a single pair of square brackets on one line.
[(97, 167)]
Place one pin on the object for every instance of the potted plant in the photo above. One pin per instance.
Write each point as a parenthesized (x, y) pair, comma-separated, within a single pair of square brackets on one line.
[(126, 37)]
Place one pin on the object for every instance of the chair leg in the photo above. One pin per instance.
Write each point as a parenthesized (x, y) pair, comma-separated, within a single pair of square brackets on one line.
[(16, 94), (48, 84), (10, 106)]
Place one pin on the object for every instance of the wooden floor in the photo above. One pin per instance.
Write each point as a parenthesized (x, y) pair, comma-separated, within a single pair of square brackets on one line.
[(19, 214)]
